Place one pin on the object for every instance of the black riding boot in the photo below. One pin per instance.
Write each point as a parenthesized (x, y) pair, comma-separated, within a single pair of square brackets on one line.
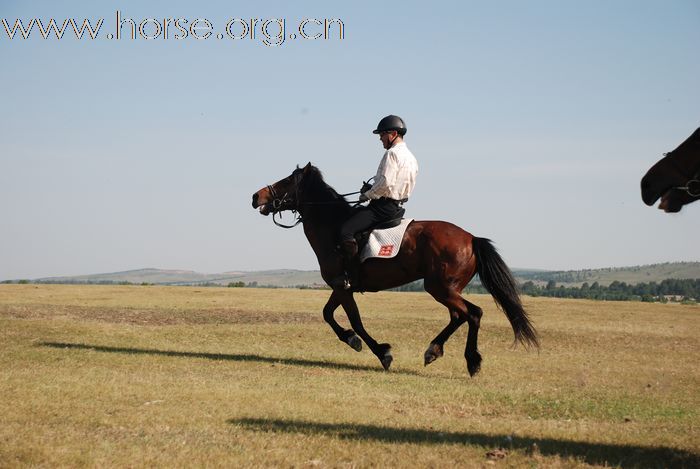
[(348, 277)]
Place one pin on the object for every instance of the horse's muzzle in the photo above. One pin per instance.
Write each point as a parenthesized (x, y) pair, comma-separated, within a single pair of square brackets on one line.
[(649, 193), (258, 203)]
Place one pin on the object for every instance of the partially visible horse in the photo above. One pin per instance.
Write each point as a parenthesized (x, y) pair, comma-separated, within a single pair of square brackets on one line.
[(675, 178), (444, 255)]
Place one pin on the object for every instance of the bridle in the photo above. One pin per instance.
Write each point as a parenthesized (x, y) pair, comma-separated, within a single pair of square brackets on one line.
[(692, 186), (278, 202)]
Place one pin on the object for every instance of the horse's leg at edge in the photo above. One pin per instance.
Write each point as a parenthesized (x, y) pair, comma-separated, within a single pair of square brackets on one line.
[(458, 316), (471, 352), (382, 351), (345, 335), (461, 311)]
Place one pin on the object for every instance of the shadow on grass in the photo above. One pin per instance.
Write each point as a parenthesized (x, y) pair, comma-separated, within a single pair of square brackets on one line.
[(222, 356), (591, 453)]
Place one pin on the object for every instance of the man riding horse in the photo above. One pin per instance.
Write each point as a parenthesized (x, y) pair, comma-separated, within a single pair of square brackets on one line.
[(393, 184), (443, 255)]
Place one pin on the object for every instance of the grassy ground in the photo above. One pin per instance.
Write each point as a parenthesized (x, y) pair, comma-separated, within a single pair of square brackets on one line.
[(182, 377)]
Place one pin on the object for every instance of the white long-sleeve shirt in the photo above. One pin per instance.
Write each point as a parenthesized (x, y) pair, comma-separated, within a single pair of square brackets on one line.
[(396, 175)]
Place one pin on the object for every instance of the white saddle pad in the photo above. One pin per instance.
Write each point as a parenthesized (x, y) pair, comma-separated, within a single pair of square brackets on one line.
[(385, 243)]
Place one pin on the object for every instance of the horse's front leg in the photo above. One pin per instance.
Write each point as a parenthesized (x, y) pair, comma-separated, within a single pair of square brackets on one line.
[(345, 335), (382, 351)]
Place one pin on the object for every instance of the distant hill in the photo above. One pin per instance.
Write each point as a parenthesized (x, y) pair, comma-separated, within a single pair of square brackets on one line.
[(291, 277), (164, 277), (277, 278), (629, 275)]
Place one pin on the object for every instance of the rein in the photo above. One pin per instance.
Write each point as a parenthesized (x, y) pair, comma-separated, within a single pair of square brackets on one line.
[(282, 225), (277, 203)]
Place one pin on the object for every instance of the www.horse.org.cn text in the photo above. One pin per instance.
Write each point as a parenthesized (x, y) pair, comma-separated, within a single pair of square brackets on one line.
[(271, 32)]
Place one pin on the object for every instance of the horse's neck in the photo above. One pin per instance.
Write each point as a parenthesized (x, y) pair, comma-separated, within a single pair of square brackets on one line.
[(322, 237), (323, 216), (322, 225), (323, 240), (323, 212)]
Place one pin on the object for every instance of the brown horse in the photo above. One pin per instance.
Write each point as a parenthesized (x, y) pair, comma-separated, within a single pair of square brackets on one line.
[(443, 254), (675, 178)]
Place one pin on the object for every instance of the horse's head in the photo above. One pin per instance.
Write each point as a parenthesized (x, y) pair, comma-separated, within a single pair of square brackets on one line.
[(675, 178), (284, 194), (665, 180), (306, 193)]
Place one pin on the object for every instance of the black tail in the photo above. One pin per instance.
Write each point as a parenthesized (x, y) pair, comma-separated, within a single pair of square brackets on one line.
[(499, 282)]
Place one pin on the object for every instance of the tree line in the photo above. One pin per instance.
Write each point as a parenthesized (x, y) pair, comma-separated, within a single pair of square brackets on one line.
[(673, 289), (687, 290)]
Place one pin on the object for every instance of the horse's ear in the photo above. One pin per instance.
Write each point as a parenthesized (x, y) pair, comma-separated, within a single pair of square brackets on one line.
[(307, 168)]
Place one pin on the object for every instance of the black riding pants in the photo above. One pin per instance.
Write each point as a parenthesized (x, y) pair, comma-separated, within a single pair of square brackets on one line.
[(378, 210)]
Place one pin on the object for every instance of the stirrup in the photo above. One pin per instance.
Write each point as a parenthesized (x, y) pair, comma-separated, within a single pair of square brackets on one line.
[(342, 281)]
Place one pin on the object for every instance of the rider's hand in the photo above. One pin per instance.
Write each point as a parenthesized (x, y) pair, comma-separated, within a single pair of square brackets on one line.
[(363, 198), (365, 186)]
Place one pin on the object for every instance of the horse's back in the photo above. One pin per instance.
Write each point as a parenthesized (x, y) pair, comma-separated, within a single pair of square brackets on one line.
[(440, 238), (443, 250), (439, 229)]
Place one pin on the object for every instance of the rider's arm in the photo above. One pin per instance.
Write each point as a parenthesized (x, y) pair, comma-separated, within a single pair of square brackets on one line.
[(385, 177)]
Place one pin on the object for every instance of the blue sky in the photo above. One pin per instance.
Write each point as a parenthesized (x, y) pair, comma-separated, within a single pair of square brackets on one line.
[(532, 122)]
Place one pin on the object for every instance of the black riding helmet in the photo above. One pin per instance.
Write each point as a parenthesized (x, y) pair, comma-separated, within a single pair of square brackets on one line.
[(391, 122)]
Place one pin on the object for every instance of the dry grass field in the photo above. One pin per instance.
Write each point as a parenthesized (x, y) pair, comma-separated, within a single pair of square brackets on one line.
[(134, 376)]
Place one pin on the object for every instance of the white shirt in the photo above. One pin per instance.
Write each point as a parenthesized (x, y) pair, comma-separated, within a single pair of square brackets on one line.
[(396, 175)]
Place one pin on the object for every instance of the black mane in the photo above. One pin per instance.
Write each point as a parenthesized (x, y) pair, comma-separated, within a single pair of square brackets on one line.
[(318, 196)]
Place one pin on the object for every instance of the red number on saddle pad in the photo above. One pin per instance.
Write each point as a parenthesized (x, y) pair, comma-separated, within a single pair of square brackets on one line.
[(386, 250)]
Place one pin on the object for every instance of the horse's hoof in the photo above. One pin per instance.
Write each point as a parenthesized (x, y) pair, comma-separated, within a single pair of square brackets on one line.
[(433, 353), (474, 363), (385, 356), (473, 369), (386, 360), (355, 343)]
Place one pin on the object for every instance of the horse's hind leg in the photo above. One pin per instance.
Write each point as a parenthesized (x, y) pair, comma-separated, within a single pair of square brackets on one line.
[(461, 311), (471, 351), (458, 316), (345, 335)]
